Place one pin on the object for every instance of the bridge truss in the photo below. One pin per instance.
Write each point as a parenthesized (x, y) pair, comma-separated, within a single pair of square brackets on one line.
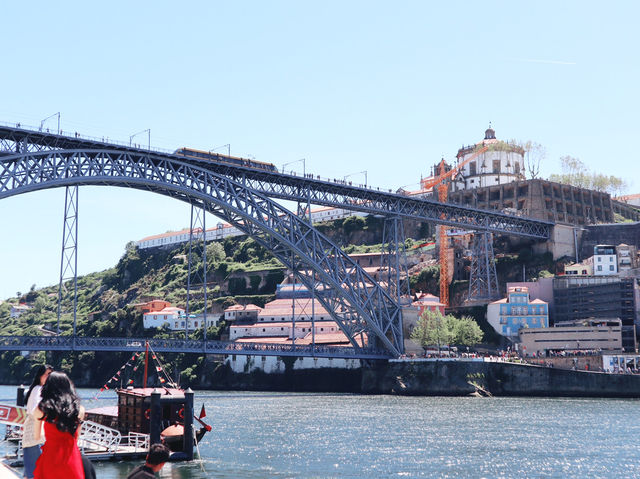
[(369, 316), (363, 310)]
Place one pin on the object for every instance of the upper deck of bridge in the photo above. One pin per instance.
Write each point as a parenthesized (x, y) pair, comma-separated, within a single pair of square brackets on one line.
[(307, 188)]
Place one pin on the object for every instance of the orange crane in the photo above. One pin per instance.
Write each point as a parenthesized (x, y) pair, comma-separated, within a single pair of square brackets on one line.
[(441, 179)]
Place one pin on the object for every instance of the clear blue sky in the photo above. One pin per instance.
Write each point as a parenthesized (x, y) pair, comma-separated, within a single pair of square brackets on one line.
[(387, 87)]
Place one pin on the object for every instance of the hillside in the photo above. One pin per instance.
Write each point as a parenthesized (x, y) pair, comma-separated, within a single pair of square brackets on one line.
[(239, 271)]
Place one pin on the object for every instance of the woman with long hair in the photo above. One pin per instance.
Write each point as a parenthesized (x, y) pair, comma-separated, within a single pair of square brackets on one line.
[(62, 414), (30, 442)]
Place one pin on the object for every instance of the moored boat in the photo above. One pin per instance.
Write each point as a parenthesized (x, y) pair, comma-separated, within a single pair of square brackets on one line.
[(132, 414)]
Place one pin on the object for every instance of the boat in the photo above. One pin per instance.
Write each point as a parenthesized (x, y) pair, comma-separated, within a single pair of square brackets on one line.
[(132, 413)]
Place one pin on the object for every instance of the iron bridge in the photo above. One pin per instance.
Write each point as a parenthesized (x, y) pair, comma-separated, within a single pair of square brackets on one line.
[(366, 312), (79, 343)]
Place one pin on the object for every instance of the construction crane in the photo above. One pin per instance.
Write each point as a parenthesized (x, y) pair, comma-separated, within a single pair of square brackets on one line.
[(440, 180)]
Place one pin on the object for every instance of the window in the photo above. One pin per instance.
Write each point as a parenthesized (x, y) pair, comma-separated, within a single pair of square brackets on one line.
[(611, 268), (517, 165), (599, 267), (599, 259), (472, 168)]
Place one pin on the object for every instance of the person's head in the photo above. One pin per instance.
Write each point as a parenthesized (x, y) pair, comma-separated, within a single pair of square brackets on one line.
[(40, 376), (60, 404), (157, 456)]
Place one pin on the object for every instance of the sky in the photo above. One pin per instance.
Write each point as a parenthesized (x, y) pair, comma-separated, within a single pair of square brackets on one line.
[(383, 87)]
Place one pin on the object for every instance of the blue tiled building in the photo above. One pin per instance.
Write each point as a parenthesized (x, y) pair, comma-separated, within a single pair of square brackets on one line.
[(508, 315)]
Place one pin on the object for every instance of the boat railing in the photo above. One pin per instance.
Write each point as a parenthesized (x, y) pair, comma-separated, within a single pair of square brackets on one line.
[(136, 440), (96, 436)]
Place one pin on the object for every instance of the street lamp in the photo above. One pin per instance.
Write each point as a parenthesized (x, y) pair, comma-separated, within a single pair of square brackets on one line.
[(148, 131), (228, 146), (49, 117), (296, 161), (358, 173)]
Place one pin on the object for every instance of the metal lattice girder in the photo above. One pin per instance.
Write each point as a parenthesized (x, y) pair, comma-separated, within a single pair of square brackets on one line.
[(364, 311), (68, 343), (69, 254), (394, 260), (315, 191), (197, 249), (483, 280)]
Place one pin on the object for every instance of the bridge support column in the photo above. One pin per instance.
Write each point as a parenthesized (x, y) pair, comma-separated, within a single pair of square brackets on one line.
[(483, 280), (69, 254), (197, 249), (394, 261)]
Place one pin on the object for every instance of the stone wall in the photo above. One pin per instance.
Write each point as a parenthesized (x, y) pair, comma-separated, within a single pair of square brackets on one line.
[(437, 378), (541, 199)]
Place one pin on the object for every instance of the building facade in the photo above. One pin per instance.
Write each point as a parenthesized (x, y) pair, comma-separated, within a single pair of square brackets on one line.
[(597, 297), (509, 315), (175, 319), (502, 163), (605, 260), (584, 335)]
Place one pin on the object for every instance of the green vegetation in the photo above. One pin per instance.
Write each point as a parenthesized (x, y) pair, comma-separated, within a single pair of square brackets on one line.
[(576, 173), (434, 329)]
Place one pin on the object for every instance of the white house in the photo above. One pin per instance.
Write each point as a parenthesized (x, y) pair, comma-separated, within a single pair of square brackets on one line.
[(175, 319), (605, 260)]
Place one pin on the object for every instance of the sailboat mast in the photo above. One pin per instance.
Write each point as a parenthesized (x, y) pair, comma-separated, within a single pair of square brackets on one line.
[(146, 363)]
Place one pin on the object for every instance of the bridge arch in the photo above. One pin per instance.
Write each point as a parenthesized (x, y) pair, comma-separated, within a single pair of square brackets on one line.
[(362, 309)]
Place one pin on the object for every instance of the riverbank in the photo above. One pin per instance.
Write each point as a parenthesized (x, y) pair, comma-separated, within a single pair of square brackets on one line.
[(419, 377), (426, 377), (459, 378)]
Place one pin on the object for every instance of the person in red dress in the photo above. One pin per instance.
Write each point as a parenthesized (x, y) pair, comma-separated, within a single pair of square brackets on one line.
[(62, 414)]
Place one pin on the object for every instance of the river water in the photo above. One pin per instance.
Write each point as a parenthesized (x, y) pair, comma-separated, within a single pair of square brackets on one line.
[(286, 435)]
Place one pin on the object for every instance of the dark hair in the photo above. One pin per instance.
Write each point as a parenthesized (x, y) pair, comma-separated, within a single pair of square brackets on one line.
[(158, 453), (40, 370), (60, 404)]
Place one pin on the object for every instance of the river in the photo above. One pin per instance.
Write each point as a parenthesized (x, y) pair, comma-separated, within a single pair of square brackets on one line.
[(280, 435)]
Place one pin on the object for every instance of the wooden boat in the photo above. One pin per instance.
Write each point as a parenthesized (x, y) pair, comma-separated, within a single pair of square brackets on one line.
[(133, 413)]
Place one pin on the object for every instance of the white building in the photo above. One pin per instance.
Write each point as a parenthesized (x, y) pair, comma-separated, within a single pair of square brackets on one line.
[(239, 312), (605, 261), (282, 329), (274, 364), (224, 230), (175, 319), (502, 163)]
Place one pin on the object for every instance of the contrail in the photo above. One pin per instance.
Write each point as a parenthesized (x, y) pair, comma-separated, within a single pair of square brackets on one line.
[(551, 62)]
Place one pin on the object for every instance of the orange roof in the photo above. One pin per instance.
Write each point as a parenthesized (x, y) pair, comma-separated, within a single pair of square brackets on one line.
[(288, 324)]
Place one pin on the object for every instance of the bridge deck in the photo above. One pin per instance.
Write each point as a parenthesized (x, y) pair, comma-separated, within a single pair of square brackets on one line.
[(70, 343), (295, 188)]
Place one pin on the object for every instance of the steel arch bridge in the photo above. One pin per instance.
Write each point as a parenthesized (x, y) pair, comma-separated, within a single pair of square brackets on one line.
[(15, 140), (366, 313)]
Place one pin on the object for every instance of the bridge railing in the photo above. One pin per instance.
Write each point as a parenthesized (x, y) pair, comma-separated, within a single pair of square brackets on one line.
[(79, 343)]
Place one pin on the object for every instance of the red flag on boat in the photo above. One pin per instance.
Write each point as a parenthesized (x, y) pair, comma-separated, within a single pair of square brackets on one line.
[(158, 368), (202, 412), (130, 381)]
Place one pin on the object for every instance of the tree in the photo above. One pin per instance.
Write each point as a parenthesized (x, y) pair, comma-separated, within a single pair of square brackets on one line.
[(467, 332), (433, 329), (533, 156), (576, 173)]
